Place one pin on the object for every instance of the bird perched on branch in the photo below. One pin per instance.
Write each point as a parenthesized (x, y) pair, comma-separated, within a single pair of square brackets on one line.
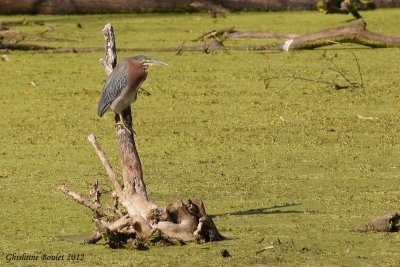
[(123, 84)]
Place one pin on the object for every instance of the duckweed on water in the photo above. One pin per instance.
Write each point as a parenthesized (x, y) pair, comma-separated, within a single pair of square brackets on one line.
[(292, 165)]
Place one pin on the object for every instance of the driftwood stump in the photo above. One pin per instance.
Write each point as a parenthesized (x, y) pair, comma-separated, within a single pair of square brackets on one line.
[(134, 221)]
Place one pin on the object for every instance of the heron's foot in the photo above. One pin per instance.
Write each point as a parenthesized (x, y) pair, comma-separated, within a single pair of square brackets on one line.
[(126, 126)]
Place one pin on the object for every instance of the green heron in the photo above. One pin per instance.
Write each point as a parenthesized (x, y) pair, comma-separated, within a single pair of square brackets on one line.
[(123, 84)]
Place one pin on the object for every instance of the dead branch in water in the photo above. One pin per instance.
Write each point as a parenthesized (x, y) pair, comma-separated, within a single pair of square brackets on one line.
[(349, 83)]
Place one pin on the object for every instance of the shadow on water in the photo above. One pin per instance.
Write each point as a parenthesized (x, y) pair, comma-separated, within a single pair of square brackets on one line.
[(262, 211), (73, 237)]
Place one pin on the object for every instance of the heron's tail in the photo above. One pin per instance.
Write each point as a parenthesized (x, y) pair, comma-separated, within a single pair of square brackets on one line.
[(102, 109)]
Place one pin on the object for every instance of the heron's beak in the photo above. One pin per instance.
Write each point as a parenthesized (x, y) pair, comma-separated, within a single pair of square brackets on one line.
[(154, 62)]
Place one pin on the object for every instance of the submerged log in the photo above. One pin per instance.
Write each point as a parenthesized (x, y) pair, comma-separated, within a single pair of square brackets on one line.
[(134, 218), (384, 223)]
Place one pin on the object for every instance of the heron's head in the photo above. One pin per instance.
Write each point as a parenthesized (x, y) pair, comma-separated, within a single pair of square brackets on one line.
[(146, 61)]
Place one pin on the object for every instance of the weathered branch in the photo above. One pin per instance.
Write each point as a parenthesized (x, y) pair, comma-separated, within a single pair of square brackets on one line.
[(110, 61), (113, 177), (96, 207), (138, 223), (95, 192), (354, 33), (133, 202)]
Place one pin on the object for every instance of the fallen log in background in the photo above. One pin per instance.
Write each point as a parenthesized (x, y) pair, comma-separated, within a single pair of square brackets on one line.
[(134, 219), (353, 33)]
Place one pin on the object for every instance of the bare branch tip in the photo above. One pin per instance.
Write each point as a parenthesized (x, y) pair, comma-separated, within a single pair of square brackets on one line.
[(63, 188), (91, 138), (107, 26)]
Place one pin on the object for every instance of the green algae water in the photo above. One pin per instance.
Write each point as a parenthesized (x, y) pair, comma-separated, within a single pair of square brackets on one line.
[(292, 166)]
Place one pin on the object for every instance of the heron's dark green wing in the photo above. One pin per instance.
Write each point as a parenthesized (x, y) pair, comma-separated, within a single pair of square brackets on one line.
[(115, 83)]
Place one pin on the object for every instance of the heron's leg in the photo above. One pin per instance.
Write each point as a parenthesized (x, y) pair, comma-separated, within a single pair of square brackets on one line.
[(123, 123), (121, 120)]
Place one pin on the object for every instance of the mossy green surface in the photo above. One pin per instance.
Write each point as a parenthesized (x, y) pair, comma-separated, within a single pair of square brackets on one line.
[(293, 165)]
